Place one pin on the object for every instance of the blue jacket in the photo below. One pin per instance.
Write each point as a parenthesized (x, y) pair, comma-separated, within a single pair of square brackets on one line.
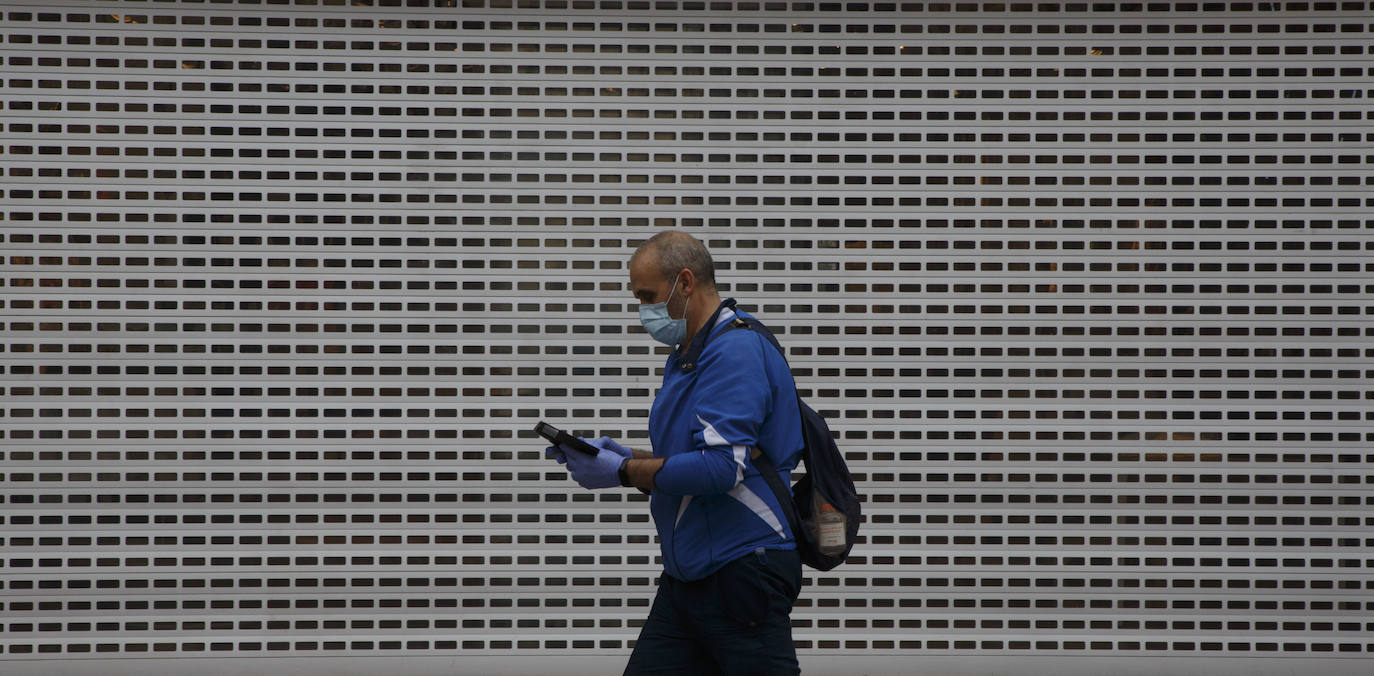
[(711, 505)]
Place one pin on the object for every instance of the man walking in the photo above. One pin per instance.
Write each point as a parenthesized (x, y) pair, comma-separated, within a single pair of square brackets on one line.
[(731, 569)]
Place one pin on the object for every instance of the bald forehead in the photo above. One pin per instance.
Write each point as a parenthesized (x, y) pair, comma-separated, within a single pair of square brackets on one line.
[(646, 280), (646, 253)]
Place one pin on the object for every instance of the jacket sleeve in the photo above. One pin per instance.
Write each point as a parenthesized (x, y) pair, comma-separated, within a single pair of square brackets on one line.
[(733, 398)]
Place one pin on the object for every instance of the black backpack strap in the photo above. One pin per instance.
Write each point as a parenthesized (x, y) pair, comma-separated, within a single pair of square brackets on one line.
[(780, 491), (763, 462), (692, 352)]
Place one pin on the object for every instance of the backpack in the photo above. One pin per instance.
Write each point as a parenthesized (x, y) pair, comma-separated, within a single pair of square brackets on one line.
[(823, 506)]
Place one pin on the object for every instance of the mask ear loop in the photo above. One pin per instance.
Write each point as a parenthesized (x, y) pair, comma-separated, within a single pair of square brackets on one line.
[(685, 303), (671, 290)]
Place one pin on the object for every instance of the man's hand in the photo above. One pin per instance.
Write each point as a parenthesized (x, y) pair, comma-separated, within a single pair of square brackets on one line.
[(604, 443), (591, 472), (599, 471), (557, 453), (609, 444)]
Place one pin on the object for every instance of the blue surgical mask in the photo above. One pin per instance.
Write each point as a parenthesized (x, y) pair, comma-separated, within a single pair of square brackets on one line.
[(660, 325)]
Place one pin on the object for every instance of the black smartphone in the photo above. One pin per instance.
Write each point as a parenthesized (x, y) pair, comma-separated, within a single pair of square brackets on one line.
[(560, 438)]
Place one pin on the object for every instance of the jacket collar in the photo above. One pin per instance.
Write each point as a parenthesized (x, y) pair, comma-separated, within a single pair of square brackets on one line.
[(688, 360)]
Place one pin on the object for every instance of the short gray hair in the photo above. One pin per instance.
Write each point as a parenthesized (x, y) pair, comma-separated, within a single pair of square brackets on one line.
[(677, 250)]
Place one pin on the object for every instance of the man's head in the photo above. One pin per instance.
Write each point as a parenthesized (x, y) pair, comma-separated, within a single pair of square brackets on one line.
[(675, 268), (668, 257), (668, 254)]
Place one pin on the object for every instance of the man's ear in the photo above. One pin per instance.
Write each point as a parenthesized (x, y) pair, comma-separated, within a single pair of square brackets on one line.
[(689, 281)]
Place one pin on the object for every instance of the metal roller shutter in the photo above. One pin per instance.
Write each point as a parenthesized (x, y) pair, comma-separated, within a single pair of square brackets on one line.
[(1083, 287)]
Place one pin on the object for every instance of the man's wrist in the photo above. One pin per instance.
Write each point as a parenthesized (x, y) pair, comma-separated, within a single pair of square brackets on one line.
[(639, 472), (623, 472)]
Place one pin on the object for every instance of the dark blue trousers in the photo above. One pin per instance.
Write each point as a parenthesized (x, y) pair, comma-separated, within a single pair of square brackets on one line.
[(736, 621)]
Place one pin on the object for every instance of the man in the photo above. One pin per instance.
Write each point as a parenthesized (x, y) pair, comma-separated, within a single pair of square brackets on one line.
[(731, 569)]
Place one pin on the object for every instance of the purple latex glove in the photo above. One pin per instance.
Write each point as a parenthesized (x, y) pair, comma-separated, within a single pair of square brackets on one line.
[(609, 444), (604, 443), (557, 453), (599, 471)]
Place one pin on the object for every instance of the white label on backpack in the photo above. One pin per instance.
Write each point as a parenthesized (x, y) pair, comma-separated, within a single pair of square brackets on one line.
[(832, 534)]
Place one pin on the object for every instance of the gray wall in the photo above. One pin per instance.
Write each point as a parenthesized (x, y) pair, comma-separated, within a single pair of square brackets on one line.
[(1083, 290)]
